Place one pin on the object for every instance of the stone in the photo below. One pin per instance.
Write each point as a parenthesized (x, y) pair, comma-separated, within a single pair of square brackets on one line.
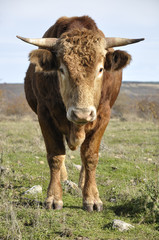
[(137, 167), (114, 168), (70, 184), (108, 182), (121, 225), (41, 162), (71, 187), (78, 167), (149, 159), (34, 190), (82, 238), (4, 170), (112, 200)]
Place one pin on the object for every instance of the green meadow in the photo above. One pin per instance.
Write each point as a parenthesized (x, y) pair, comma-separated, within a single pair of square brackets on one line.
[(127, 177)]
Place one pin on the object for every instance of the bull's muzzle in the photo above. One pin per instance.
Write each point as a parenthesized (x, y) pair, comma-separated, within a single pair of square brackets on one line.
[(81, 115)]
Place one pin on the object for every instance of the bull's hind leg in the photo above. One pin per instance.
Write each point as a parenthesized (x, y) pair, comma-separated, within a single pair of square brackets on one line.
[(82, 177), (55, 156), (89, 155)]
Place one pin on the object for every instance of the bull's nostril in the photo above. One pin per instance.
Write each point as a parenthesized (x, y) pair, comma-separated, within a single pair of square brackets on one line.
[(73, 114), (81, 115), (92, 114), (76, 114)]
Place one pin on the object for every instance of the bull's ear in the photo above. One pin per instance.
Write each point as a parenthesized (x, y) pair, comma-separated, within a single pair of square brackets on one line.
[(43, 59), (116, 60)]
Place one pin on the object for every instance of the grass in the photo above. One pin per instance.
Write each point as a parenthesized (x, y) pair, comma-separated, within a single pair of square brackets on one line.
[(127, 178)]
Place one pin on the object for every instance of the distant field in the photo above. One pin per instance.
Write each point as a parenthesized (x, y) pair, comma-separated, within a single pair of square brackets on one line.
[(127, 178), (130, 88), (12, 90), (136, 100), (140, 90)]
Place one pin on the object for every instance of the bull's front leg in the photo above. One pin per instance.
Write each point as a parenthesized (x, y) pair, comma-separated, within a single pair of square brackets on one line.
[(89, 155), (91, 199), (54, 193), (55, 156)]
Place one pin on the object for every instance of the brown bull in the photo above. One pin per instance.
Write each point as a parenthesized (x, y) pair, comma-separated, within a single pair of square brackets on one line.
[(72, 83)]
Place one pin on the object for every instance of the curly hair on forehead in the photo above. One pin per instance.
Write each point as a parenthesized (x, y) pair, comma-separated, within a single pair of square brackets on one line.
[(80, 47)]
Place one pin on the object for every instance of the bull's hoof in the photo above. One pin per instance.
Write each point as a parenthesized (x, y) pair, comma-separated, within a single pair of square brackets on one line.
[(98, 207), (48, 205), (56, 205), (91, 207), (88, 207)]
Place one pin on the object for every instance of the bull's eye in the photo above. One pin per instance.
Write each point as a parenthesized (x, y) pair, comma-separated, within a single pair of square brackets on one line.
[(100, 70), (61, 70)]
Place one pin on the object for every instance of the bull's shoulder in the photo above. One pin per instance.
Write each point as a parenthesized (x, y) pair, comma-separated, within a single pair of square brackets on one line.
[(28, 87), (111, 87)]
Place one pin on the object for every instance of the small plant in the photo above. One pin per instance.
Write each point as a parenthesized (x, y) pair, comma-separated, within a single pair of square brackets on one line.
[(143, 208), (148, 109), (151, 204)]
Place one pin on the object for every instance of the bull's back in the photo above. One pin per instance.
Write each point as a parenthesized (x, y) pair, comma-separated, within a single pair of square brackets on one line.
[(65, 24)]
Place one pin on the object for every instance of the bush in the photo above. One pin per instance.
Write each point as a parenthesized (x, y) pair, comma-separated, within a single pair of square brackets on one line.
[(15, 106), (126, 106), (148, 109)]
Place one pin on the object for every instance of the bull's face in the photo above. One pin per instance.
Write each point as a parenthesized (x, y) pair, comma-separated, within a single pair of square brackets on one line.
[(81, 58), (81, 92)]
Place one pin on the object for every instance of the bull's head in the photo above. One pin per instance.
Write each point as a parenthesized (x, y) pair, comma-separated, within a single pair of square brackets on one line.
[(81, 57)]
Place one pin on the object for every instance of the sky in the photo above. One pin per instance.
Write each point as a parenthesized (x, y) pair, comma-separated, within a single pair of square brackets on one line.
[(116, 18)]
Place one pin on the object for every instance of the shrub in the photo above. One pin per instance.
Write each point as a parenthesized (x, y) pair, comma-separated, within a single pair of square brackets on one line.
[(16, 106)]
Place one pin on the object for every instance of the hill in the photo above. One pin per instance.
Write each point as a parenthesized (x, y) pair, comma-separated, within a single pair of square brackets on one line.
[(12, 90), (132, 89), (140, 90), (139, 99)]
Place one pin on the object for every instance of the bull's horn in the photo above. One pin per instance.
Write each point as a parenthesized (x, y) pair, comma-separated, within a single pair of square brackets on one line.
[(40, 42), (116, 42)]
